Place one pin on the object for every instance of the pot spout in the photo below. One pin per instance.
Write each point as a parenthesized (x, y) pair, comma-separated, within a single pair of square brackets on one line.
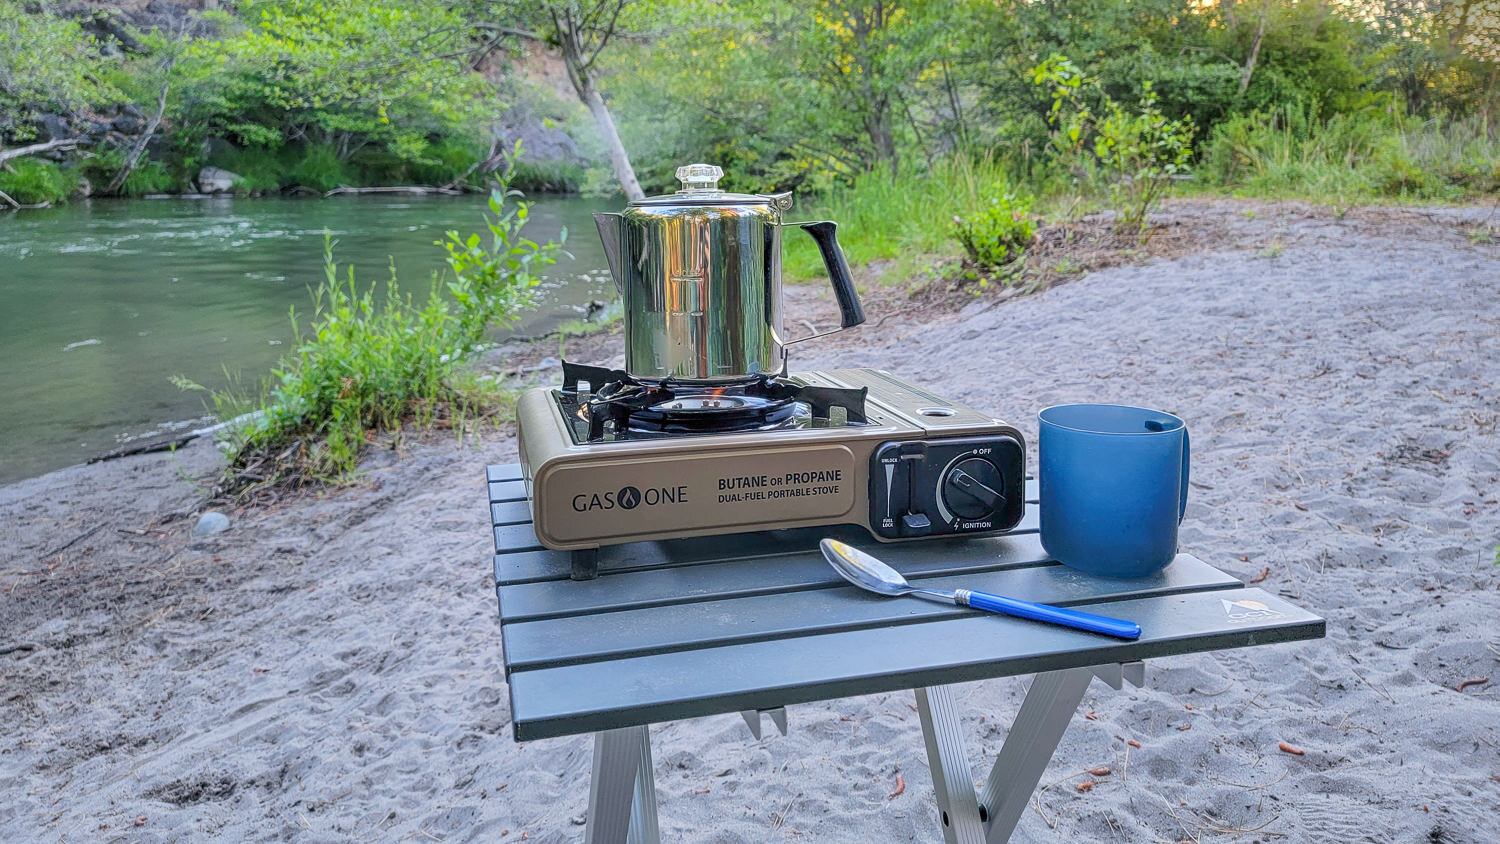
[(609, 233)]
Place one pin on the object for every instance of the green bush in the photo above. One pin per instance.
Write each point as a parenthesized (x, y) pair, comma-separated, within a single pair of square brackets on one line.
[(150, 177), (319, 167), (1000, 234), (261, 170), (375, 360), (557, 177), (1137, 153), (32, 182), (445, 161)]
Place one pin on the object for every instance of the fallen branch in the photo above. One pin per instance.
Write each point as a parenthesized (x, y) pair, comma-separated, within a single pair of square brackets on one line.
[(419, 190), (9, 200), (148, 447), (71, 542), (45, 146)]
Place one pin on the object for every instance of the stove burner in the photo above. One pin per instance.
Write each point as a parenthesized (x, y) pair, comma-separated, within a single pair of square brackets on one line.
[(670, 407), (710, 403)]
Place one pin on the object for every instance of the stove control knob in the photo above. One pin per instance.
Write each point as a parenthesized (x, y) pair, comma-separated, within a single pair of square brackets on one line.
[(974, 489)]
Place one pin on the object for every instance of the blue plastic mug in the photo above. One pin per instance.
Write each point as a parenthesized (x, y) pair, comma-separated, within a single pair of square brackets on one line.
[(1114, 484)]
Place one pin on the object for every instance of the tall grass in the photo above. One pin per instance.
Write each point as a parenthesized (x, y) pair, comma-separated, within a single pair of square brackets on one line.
[(30, 181), (908, 218), (1291, 152)]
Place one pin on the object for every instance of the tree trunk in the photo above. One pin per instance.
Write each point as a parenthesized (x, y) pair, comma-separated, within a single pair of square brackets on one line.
[(578, 73), (1260, 34), (140, 143), (618, 158)]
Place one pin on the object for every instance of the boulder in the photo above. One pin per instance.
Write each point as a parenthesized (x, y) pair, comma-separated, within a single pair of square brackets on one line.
[(216, 180), (52, 127), (127, 124), (541, 140)]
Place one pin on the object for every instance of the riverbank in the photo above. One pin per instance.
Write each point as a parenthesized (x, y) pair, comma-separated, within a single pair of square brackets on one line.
[(329, 668), (106, 300)]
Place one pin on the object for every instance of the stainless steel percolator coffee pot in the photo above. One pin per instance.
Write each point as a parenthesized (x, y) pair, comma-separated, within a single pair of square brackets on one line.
[(700, 273)]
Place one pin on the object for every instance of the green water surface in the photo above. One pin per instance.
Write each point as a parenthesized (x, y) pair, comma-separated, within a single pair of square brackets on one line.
[(102, 301)]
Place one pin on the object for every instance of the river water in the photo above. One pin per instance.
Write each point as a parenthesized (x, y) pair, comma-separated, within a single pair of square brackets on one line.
[(101, 302)]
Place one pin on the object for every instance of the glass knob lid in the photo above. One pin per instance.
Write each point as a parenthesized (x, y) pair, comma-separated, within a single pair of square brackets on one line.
[(699, 178)]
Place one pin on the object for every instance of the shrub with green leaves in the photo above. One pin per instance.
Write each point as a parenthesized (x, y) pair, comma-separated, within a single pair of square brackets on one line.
[(1000, 234), (374, 360), (1141, 152), (1136, 152)]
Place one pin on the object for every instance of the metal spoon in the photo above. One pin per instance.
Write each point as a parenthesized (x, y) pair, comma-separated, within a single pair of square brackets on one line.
[(866, 572)]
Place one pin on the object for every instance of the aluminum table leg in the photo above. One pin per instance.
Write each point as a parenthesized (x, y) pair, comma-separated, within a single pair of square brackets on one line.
[(622, 789), (1039, 726), (957, 806)]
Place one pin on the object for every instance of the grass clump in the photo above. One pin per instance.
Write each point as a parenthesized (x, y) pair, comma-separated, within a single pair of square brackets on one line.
[(997, 237), (32, 182), (376, 361), (320, 168)]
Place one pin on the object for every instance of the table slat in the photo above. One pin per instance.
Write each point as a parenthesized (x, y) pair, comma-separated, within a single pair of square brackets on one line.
[(759, 675), (503, 472), (511, 513), (518, 561), (507, 491), (804, 569), (636, 632)]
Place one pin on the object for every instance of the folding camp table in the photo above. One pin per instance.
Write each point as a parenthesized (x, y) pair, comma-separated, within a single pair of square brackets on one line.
[(753, 622)]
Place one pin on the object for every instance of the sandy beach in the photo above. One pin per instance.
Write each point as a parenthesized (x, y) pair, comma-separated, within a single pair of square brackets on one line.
[(329, 668)]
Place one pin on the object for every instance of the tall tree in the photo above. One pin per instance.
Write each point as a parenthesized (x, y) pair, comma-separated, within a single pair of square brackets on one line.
[(581, 30)]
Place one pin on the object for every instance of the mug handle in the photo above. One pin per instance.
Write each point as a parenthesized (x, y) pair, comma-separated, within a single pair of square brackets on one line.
[(1187, 455)]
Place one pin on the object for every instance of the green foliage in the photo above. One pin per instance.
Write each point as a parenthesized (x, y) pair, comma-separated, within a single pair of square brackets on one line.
[(901, 219), (47, 63), (559, 177), (1137, 153), (319, 167), (148, 177), (1291, 151), (374, 360), (1000, 234), (338, 72), (33, 182), (1141, 151)]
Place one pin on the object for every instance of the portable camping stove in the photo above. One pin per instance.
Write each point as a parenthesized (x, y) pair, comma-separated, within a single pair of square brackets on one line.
[(610, 459)]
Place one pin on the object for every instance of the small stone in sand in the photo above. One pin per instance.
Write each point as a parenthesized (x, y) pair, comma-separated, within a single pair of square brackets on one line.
[(211, 522)]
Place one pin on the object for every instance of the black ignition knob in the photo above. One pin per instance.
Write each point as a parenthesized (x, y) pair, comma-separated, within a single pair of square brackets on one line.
[(974, 489)]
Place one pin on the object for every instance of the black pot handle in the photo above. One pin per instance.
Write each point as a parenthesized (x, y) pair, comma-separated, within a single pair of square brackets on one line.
[(825, 232)]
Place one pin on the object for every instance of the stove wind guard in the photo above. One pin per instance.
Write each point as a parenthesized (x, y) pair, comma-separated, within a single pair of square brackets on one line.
[(617, 406)]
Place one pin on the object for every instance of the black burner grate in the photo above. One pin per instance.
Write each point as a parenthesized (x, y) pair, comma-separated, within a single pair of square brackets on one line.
[(637, 409)]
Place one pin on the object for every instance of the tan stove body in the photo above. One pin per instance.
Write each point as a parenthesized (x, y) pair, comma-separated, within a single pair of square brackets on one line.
[(921, 467)]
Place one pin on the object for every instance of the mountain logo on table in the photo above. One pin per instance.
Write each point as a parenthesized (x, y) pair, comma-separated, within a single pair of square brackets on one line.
[(1245, 610)]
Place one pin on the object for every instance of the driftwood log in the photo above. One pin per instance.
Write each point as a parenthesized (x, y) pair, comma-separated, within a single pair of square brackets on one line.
[(419, 190), (33, 149)]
